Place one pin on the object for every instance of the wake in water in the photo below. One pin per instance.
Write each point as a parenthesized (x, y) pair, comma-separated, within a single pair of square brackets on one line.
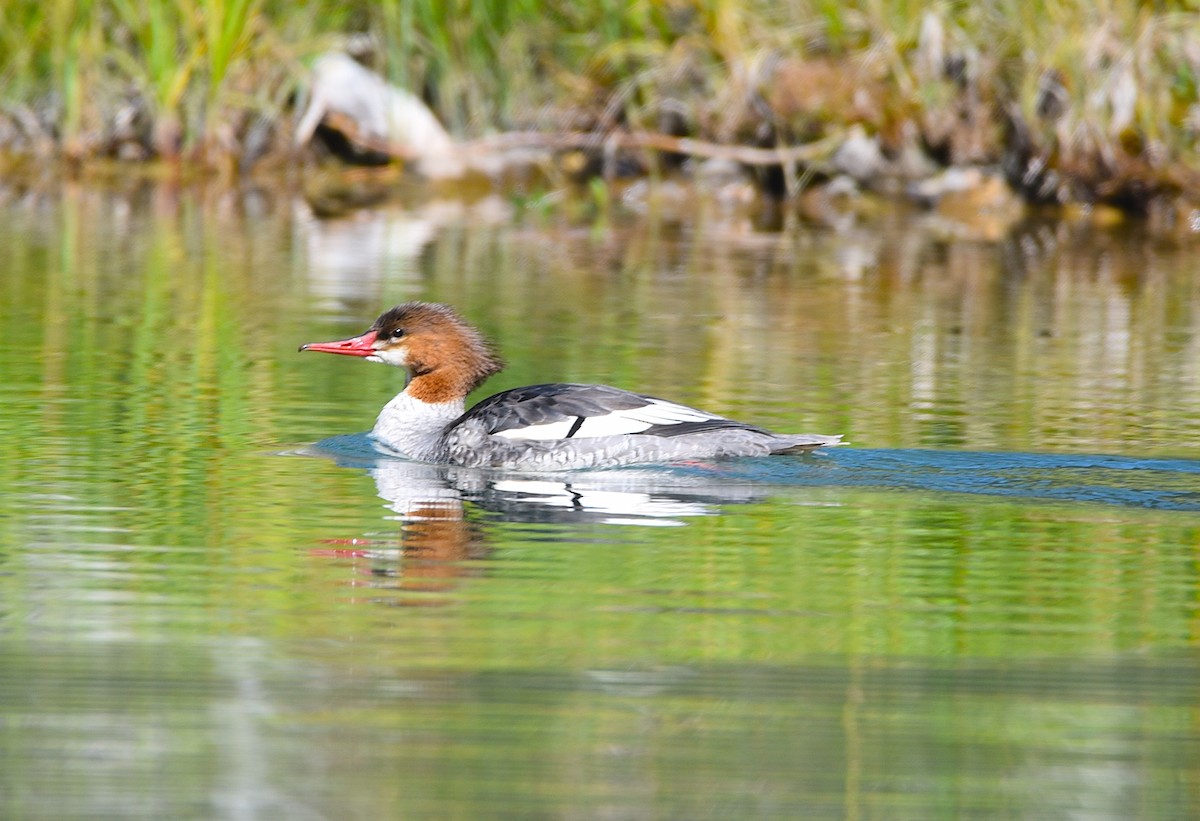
[(695, 489), (1161, 484)]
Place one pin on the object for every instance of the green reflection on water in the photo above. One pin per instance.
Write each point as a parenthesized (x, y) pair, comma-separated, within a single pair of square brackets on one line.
[(206, 731), (192, 625)]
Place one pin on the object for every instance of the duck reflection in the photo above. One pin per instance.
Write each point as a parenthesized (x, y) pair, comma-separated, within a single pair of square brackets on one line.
[(444, 511), (648, 497)]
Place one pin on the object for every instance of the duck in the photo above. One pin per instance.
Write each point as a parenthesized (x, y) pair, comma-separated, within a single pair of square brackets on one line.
[(549, 427)]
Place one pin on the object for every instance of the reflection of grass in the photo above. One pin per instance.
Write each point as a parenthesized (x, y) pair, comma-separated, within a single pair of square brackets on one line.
[(155, 556), (151, 379)]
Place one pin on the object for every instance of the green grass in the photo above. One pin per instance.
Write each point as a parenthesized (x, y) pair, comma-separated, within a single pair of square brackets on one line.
[(201, 72)]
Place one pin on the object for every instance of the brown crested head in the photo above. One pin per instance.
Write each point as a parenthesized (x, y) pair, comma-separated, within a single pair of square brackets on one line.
[(447, 357)]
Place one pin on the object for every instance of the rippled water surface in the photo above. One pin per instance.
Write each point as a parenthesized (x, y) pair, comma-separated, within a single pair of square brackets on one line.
[(217, 602)]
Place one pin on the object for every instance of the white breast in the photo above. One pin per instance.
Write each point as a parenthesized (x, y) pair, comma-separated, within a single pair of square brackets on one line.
[(414, 428)]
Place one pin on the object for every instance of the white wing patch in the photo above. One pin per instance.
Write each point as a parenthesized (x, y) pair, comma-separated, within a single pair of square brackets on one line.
[(614, 423), (550, 430)]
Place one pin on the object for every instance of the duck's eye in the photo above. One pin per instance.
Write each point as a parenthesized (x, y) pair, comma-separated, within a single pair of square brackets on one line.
[(396, 333)]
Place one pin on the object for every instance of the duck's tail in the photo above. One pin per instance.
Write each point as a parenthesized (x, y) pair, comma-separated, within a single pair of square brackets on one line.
[(804, 443)]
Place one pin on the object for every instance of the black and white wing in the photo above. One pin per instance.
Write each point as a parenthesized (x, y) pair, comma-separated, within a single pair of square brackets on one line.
[(569, 411)]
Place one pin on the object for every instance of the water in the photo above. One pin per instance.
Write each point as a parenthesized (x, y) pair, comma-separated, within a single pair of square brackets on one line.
[(216, 602)]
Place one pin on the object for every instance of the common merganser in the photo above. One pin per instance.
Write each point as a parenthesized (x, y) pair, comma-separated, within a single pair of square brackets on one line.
[(557, 426)]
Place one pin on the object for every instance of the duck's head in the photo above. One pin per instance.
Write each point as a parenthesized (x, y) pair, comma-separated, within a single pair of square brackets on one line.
[(431, 341)]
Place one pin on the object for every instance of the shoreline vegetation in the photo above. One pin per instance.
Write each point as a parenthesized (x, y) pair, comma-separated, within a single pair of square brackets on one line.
[(1006, 103)]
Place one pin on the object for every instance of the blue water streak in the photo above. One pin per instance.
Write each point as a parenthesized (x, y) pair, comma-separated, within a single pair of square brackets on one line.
[(1164, 484)]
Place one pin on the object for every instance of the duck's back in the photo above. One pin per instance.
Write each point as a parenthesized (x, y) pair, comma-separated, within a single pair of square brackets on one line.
[(565, 426)]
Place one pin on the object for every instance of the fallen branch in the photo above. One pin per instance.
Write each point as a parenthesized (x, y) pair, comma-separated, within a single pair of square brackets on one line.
[(379, 117), (745, 154), (487, 150)]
